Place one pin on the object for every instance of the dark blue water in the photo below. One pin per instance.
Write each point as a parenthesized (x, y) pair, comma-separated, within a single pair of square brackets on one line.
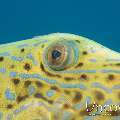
[(95, 19)]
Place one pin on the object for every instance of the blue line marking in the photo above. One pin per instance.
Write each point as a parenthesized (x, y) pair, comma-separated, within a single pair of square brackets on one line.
[(92, 60), (78, 71), (40, 42), (22, 45), (116, 86), (1, 115), (2, 70), (24, 76), (112, 59), (98, 85), (92, 50), (16, 58), (109, 71), (51, 81), (5, 54), (80, 86)]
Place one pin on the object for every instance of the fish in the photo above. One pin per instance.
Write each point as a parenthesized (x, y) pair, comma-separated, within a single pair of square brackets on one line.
[(59, 76)]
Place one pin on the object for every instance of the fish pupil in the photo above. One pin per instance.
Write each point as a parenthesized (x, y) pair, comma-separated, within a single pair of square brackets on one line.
[(56, 54)]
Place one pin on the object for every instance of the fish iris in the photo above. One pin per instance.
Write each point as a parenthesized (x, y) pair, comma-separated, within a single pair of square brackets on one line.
[(60, 55)]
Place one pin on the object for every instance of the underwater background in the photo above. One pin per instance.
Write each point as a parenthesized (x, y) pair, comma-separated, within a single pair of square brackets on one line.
[(96, 19)]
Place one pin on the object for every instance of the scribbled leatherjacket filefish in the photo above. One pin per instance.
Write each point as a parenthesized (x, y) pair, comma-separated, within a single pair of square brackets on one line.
[(59, 77)]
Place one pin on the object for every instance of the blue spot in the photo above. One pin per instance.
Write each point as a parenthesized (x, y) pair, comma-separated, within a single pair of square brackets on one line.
[(50, 93), (31, 90), (9, 95), (93, 60), (13, 74), (56, 54)]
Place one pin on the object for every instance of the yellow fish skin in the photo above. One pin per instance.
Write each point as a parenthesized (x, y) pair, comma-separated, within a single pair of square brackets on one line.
[(59, 76)]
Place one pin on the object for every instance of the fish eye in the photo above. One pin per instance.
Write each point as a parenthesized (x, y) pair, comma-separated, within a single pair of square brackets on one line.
[(56, 54), (59, 55)]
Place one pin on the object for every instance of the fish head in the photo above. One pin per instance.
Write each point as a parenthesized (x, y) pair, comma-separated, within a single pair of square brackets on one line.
[(79, 70), (60, 76)]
